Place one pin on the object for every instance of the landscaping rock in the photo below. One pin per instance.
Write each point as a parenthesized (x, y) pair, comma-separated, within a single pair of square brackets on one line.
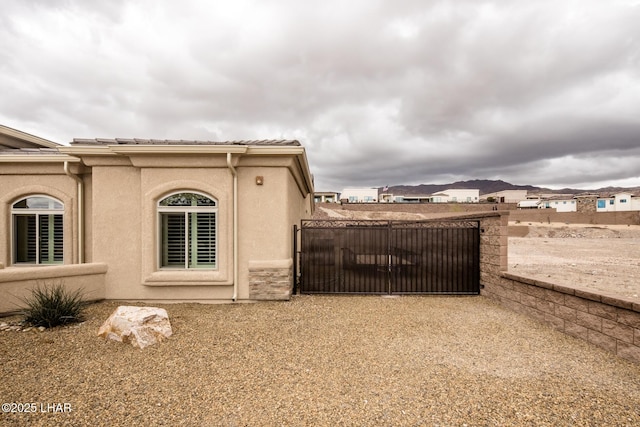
[(140, 326)]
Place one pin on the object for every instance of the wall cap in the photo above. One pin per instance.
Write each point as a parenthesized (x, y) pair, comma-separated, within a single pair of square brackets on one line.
[(19, 273), (604, 298)]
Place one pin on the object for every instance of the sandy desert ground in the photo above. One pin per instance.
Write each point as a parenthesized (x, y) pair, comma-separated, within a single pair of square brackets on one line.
[(603, 258)]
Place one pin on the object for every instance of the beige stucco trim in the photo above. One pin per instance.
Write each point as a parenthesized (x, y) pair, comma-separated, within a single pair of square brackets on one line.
[(16, 283), (271, 150), (302, 174), (207, 149), (113, 150), (11, 274), (37, 158), (271, 263), (177, 149), (186, 278), (100, 150)]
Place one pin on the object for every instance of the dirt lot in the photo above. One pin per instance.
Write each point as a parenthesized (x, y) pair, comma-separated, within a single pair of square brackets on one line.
[(603, 258)]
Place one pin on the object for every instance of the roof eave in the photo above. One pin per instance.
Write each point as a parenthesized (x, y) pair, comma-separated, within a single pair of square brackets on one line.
[(297, 151), (37, 158), (27, 138)]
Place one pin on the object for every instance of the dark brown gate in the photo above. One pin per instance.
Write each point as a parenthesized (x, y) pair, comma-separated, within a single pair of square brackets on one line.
[(389, 257)]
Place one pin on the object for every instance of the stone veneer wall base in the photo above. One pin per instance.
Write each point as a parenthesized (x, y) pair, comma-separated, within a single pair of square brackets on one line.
[(270, 280)]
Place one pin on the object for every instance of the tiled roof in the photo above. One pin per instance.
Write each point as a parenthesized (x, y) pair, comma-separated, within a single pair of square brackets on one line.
[(136, 141)]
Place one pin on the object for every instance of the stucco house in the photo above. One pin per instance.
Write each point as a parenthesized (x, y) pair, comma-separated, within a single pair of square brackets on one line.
[(618, 202), (359, 195), (152, 220), (456, 196), (560, 204), (506, 196), (326, 197), (530, 204), (414, 198)]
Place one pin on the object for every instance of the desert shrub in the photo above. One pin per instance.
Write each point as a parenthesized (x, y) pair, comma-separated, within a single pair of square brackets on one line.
[(52, 305)]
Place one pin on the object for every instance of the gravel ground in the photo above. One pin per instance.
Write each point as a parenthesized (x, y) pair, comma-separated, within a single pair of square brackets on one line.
[(321, 360)]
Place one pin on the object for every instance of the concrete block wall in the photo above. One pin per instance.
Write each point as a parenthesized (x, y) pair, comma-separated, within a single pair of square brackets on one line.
[(523, 215), (608, 321), (550, 215), (421, 208)]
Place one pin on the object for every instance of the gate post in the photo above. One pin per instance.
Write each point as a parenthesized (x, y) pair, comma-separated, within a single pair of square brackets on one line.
[(389, 256), (294, 289)]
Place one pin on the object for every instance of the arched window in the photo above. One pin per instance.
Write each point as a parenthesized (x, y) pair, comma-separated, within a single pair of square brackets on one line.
[(37, 230), (188, 231)]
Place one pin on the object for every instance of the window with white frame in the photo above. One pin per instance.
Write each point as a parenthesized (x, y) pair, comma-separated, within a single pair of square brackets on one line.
[(188, 231), (37, 227)]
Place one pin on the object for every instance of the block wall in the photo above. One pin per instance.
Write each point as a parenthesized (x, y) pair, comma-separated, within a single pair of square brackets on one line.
[(608, 321)]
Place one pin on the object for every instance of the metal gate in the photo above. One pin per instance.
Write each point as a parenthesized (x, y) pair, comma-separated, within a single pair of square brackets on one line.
[(389, 257)]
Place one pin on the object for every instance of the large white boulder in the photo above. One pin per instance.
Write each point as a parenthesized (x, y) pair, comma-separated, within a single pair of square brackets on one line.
[(140, 326)]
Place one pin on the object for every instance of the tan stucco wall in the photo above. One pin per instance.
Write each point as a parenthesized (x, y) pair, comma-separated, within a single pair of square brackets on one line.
[(121, 222), (125, 232), (267, 214), (125, 222), (116, 226)]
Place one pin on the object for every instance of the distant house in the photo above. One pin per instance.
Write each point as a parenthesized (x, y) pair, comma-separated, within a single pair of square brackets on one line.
[(448, 196), (156, 219), (359, 195), (618, 203), (413, 199), (386, 198), (560, 204), (530, 204), (456, 196), (325, 197), (507, 196)]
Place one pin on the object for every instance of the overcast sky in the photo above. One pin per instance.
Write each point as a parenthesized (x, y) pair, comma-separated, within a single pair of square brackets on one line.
[(379, 92)]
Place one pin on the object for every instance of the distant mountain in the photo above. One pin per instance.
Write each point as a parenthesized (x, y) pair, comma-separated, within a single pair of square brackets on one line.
[(491, 186)]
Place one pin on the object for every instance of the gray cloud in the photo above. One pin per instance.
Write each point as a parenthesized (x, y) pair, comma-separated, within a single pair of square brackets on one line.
[(379, 92)]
